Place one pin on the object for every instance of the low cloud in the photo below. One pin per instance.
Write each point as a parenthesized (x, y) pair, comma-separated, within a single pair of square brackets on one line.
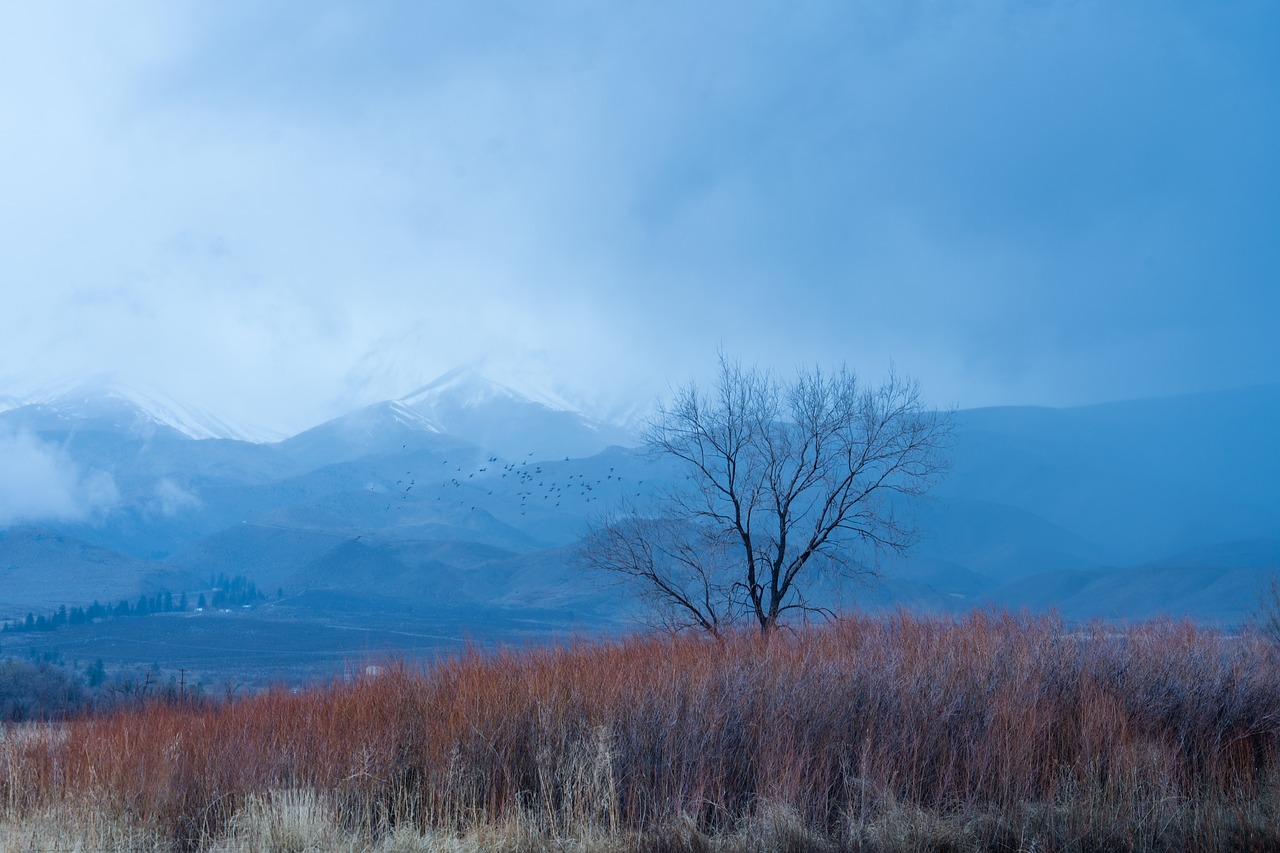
[(39, 482), (171, 499)]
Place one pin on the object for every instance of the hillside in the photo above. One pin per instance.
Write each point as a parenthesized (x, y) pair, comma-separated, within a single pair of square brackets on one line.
[(470, 495)]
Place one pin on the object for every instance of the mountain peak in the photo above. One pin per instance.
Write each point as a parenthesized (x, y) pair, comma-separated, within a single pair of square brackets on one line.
[(108, 396), (466, 388), (515, 421)]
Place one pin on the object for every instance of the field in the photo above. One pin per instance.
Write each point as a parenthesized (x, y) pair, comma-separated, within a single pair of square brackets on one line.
[(989, 732), (280, 644)]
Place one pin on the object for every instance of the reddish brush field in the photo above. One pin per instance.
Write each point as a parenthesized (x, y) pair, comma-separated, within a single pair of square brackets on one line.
[(990, 732)]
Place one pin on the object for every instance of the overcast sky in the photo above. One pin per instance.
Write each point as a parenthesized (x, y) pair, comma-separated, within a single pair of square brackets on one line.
[(278, 210)]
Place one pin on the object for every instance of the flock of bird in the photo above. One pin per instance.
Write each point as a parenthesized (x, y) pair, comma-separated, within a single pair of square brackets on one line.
[(536, 487)]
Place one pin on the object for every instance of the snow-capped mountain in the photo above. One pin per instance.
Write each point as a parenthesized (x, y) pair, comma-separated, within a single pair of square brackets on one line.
[(475, 485), (513, 423), (376, 429), (465, 388), (108, 402)]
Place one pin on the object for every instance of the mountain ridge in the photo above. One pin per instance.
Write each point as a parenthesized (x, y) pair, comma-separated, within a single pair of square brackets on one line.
[(109, 398), (1080, 506)]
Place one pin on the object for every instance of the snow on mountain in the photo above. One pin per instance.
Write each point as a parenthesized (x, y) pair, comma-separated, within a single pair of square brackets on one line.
[(1028, 517), (11, 396), (406, 416), (464, 388), (376, 429), (110, 401), (512, 423)]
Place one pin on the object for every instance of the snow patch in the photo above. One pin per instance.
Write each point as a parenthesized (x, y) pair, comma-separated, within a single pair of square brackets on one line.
[(464, 388), (110, 396), (413, 418)]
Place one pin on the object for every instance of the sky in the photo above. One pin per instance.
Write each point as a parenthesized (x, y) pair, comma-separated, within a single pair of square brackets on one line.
[(279, 211)]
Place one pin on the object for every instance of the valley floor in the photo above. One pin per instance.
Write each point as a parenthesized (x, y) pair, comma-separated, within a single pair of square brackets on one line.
[(285, 644)]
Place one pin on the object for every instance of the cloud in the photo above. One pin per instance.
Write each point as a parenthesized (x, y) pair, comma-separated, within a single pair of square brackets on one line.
[(169, 498), (39, 482), (273, 209)]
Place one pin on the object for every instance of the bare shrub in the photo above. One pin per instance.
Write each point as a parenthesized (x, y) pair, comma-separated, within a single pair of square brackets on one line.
[(1267, 618), (994, 731)]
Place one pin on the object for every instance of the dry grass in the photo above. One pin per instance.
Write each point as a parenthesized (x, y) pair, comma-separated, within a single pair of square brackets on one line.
[(991, 732)]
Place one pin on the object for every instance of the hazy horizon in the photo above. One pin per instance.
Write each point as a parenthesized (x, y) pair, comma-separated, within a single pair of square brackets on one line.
[(617, 411)]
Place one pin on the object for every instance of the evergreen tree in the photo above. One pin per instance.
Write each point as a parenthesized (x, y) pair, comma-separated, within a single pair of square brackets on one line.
[(95, 674)]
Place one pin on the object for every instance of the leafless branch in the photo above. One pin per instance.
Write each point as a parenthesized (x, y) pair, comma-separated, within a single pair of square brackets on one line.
[(780, 479)]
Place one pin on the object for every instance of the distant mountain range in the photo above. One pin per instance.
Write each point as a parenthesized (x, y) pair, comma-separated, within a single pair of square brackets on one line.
[(470, 493)]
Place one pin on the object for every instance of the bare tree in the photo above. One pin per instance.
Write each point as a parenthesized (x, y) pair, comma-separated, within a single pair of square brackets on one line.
[(781, 482)]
